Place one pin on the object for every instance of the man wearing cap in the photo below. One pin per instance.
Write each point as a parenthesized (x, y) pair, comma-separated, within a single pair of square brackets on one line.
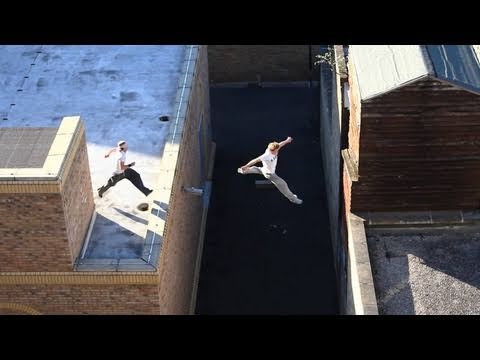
[(123, 171)]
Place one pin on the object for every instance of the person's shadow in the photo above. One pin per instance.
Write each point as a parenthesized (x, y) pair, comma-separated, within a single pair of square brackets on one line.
[(131, 216), (162, 211)]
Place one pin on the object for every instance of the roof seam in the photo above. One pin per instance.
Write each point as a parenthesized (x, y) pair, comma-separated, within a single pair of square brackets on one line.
[(429, 61)]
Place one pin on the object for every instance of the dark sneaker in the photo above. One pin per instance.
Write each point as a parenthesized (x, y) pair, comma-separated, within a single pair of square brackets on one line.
[(101, 191)]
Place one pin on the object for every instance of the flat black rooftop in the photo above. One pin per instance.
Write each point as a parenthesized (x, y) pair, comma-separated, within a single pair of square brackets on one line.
[(25, 147), (262, 254)]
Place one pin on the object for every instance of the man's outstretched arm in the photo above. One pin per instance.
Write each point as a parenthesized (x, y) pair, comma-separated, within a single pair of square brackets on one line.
[(250, 163), (109, 152), (288, 140)]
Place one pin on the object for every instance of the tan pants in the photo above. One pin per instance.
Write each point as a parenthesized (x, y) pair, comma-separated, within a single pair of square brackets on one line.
[(281, 184)]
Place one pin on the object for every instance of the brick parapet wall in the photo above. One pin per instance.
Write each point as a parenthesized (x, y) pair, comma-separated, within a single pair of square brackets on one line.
[(77, 198), (181, 233), (265, 63)]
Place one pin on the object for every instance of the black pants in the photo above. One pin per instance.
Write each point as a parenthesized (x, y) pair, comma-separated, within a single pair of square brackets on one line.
[(129, 174)]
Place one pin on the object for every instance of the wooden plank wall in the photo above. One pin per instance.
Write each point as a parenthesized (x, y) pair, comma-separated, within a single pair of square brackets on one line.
[(419, 150)]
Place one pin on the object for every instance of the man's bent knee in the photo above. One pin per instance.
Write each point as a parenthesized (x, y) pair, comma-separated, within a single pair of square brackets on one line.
[(115, 179), (131, 174)]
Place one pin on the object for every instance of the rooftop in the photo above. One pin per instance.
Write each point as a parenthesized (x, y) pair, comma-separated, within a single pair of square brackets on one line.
[(426, 271), (25, 148), (120, 92), (383, 68)]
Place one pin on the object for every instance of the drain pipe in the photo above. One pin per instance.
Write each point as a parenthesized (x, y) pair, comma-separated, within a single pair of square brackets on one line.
[(207, 191), (198, 261), (193, 190)]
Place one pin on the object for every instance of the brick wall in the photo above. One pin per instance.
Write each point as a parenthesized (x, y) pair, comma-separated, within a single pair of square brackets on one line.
[(355, 113), (79, 299), (242, 63), (177, 260), (33, 235), (44, 231), (347, 191), (78, 197), (418, 149)]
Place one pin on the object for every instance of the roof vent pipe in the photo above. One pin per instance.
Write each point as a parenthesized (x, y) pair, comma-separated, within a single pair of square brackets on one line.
[(193, 190)]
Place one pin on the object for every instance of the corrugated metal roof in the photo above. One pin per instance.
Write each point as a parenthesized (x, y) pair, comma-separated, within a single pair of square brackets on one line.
[(383, 68), (476, 48), (457, 64)]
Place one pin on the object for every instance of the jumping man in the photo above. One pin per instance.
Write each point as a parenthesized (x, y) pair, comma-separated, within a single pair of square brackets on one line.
[(269, 162)]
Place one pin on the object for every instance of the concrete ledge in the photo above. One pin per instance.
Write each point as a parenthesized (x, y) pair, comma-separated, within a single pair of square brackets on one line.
[(352, 167), (360, 277), (72, 278), (118, 265), (265, 84), (423, 218)]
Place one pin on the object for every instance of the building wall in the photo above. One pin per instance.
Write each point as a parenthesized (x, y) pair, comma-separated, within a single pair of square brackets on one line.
[(354, 280), (347, 190), (252, 63), (33, 234), (79, 299), (43, 223), (355, 114), (359, 297), (77, 196), (330, 135), (349, 304), (419, 150), (168, 291), (181, 235)]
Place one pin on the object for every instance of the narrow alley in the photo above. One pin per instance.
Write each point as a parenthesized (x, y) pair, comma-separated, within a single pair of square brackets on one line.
[(262, 253)]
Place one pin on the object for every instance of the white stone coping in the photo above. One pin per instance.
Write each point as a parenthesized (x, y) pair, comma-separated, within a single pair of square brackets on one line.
[(363, 289), (171, 151)]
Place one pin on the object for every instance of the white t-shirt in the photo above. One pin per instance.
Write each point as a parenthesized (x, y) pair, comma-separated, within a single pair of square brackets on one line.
[(269, 162), (120, 156)]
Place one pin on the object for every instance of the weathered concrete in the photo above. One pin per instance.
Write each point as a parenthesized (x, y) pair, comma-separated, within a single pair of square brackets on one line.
[(360, 295), (120, 92), (420, 218), (430, 271)]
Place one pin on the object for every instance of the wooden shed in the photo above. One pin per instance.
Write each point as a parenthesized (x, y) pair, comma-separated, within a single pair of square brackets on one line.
[(414, 127)]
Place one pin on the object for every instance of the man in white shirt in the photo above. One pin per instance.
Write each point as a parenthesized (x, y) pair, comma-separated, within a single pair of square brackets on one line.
[(269, 162), (123, 171)]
